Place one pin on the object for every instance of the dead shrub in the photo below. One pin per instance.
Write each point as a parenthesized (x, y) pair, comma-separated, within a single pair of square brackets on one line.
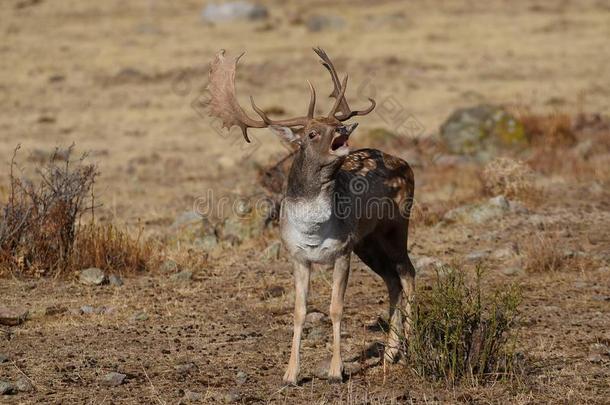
[(459, 334), (40, 230), (552, 130), (511, 178), (542, 254)]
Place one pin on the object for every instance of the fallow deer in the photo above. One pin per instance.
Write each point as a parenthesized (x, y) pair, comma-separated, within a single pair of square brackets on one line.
[(336, 202)]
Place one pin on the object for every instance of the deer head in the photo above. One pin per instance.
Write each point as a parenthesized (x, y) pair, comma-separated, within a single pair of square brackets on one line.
[(324, 137)]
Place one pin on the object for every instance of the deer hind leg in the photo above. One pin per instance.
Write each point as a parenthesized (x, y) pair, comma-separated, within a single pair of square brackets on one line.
[(406, 273), (301, 285), (340, 278), (371, 253)]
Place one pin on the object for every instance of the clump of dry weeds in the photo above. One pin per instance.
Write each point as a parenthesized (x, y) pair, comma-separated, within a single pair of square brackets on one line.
[(40, 227), (460, 334), (512, 178), (542, 254)]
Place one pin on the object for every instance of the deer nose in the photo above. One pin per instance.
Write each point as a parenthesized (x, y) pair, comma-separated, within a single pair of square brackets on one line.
[(347, 129)]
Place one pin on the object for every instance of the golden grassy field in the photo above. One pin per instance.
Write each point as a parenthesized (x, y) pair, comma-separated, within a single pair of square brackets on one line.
[(124, 82)]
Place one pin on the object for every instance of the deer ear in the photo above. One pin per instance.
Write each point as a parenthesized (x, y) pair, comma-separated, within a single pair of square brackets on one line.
[(285, 133)]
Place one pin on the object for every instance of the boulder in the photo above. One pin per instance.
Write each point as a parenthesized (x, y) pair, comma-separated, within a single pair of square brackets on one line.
[(482, 131)]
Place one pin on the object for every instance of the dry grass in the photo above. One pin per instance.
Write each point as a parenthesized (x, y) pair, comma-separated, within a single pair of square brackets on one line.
[(542, 253), (550, 130), (460, 334), (109, 248)]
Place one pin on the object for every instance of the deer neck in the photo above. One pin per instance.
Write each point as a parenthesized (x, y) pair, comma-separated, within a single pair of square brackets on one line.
[(310, 180)]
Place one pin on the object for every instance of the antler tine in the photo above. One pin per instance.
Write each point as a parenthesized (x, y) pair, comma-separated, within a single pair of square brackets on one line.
[(339, 98), (338, 92), (312, 100)]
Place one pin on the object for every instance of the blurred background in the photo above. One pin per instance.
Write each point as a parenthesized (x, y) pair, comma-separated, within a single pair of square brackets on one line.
[(123, 80)]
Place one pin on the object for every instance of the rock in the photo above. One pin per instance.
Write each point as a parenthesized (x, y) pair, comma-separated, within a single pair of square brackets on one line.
[(242, 225), (503, 253), (3, 358), (115, 281), (231, 396), (599, 348), (192, 396), (183, 276), (315, 317), (477, 256), (24, 385), (92, 276), (512, 270), (316, 334), (87, 309), (112, 379), (206, 242), (482, 131), (321, 369), (274, 292), (595, 358), (232, 11), (425, 264), (185, 219), (272, 252), (241, 378), (185, 368), (584, 149), (169, 266), (317, 23), (55, 310), (495, 207), (140, 316), (13, 316), (6, 388)]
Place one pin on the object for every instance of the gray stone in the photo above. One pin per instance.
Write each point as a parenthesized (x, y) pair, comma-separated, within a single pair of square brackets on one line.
[(185, 219), (6, 388), (140, 316), (87, 310), (599, 348), (315, 318), (241, 378), (512, 270), (274, 292), (272, 252), (594, 358), (482, 131), (185, 368), (321, 368), (231, 396), (495, 207), (115, 281), (13, 316), (24, 385), (233, 11), (207, 242), (183, 276), (3, 358), (55, 310), (476, 257), (192, 396), (92, 276), (426, 264), (169, 266), (112, 379), (317, 23)]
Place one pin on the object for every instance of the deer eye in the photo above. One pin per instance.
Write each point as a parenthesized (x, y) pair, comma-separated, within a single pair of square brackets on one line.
[(312, 134)]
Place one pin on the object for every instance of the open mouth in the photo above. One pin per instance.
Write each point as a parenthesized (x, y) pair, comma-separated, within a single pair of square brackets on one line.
[(339, 141)]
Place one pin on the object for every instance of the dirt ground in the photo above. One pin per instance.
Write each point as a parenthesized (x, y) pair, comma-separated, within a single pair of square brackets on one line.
[(124, 82)]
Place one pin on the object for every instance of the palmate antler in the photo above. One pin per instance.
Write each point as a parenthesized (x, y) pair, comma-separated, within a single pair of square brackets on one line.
[(223, 102)]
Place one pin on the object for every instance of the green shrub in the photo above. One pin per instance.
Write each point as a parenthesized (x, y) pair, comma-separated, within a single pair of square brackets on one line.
[(459, 333)]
